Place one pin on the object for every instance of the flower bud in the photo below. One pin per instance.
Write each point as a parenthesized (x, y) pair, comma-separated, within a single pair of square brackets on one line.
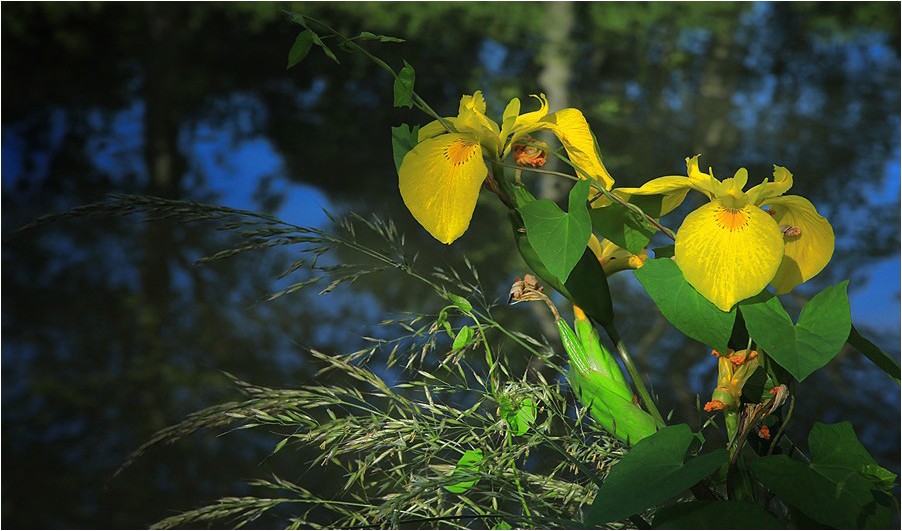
[(530, 152), (613, 258)]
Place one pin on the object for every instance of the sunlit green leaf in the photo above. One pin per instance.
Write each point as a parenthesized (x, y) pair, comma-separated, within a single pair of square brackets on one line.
[(685, 308), (465, 474), (559, 238), (464, 336), (655, 469), (519, 415), (461, 303), (820, 334)]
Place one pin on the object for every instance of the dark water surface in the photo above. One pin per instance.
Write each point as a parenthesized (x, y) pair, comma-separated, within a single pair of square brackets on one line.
[(110, 333)]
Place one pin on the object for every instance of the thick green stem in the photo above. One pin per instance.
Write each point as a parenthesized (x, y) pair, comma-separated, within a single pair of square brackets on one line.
[(644, 396)]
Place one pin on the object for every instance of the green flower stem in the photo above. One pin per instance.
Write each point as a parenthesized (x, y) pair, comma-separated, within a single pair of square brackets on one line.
[(420, 102), (601, 191), (644, 396)]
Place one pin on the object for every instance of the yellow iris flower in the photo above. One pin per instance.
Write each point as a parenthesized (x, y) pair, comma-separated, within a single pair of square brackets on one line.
[(441, 176), (730, 249)]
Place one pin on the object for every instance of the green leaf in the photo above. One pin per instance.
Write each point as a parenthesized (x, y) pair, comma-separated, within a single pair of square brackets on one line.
[(840, 488), (873, 353), (654, 470), (403, 139), (559, 238), (715, 515), (465, 474), (502, 525), (685, 308), (820, 334), (367, 36), (300, 48), (464, 336), (621, 226), (319, 42), (519, 415), (404, 86), (461, 303), (663, 252)]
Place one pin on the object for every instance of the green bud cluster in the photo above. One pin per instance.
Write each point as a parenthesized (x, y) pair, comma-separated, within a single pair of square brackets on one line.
[(600, 385)]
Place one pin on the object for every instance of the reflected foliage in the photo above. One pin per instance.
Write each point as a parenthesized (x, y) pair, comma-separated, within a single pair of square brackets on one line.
[(110, 331)]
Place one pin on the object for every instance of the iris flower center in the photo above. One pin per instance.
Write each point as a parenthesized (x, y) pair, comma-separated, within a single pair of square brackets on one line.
[(460, 151), (731, 219)]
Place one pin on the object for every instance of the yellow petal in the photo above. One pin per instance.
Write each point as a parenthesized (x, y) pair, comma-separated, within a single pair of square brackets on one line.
[(434, 128), (440, 180), (728, 255), (674, 188), (509, 118), (781, 184), (808, 249), (529, 119), (571, 128), (471, 118)]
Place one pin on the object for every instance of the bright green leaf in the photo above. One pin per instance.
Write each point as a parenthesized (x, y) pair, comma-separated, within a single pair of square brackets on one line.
[(623, 227), (502, 525), (519, 415), (654, 470), (720, 514), (873, 353), (403, 139), (685, 308), (559, 238), (367, 36), (465, 474), (300, 48), (820, 334), (404, 86), (461, 303), (464, 336)]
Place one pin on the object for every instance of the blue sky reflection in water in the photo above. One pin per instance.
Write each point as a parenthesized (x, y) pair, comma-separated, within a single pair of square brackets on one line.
[(317, 138)]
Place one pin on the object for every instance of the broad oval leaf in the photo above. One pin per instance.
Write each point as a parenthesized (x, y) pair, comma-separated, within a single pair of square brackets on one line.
[(559, 238), (822, 330), (686, 309), (654, 470)]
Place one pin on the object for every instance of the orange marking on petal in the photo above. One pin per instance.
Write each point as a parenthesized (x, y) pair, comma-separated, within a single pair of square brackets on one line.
[(460, 151), (731, 219)]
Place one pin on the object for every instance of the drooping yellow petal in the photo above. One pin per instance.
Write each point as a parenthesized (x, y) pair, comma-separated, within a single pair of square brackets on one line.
[(728, 254), (571, 128), (529, 119), (809, 241), (781, 184), (440, 180), (674, 188)]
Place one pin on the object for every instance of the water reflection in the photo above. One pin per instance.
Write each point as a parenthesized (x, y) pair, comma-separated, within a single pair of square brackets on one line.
[(110, 333)]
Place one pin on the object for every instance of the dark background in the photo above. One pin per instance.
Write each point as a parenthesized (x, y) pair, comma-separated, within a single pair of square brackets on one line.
[(111, 333)]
